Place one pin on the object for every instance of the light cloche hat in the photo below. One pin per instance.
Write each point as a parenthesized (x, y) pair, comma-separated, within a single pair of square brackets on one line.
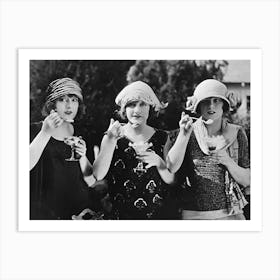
[(137, 91), (209, 88)]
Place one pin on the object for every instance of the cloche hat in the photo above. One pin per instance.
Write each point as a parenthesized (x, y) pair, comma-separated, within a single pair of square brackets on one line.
[(61, 87), (209, 88), (138, 91)]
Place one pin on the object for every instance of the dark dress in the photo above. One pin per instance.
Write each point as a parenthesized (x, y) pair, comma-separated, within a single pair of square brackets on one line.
[(57, 188), (136, 192), (203, 179)]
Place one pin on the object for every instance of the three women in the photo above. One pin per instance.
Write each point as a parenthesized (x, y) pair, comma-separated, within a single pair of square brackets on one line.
[(209, 158)]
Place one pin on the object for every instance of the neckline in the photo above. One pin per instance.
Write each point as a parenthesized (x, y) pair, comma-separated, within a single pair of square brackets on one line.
[(146, 141), (62, 140)]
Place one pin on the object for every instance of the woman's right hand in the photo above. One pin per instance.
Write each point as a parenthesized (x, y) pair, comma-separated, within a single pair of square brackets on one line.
[(114, 130), (51, 122), (185, 124)]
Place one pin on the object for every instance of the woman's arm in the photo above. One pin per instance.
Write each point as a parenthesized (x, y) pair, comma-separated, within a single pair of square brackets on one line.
[(37, 147), (239, 171), (81, 149), (240, 175), (153, 159), (39, 143), (175, 156), (86, 169), (102, 163)]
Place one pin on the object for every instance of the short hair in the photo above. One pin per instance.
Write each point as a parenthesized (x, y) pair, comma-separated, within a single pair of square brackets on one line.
[(51, 105)]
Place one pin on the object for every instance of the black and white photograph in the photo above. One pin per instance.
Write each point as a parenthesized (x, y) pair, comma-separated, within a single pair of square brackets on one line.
[(139, 140), (142, 139)]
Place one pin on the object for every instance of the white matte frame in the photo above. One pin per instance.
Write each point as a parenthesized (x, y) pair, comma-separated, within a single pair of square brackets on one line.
[(253, 55), (164, 255)]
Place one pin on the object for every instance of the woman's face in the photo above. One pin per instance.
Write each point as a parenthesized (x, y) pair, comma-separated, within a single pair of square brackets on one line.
[(137, 112), (211, 108), (67, 106)]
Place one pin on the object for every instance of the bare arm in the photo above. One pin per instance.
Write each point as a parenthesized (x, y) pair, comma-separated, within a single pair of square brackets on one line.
[(152, 159), (239, 174), (165, 174), (37, 147), (102, 163), (176, 154)]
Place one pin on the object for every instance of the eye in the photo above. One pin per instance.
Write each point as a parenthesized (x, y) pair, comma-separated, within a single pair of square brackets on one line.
[(131, 104), (61, 99), (217, 100), (74, 99), (143, 104)]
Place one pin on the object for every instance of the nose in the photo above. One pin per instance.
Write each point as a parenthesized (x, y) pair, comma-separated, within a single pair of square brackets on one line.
[(137, 108), (68, 103), (211, 103)]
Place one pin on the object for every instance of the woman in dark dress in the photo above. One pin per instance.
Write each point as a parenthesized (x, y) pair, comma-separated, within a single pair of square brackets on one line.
[(57, 186), (211, 158), (132, 158)]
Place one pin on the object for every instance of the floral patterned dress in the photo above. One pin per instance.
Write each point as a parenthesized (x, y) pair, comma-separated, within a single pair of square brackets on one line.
[(136, 192)]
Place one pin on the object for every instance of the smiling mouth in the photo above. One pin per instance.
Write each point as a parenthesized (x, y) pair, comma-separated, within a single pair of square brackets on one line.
[(211, 112)]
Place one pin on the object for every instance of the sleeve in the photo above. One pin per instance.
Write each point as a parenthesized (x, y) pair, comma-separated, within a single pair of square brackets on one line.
[(243, 149), (89, 139), (36, 179)]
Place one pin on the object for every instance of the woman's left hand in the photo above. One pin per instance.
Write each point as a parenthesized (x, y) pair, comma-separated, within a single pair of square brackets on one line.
[(152, 159), (222, 157), (81, 147)]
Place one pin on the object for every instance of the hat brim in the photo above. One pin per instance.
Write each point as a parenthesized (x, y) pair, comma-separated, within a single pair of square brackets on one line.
[(214, 95)]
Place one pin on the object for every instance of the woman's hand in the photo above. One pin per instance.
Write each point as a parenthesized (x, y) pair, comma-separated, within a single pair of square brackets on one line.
[(81, 147), (114, 130), (185, 124), (51, 122), (152, 159), (222, 157)]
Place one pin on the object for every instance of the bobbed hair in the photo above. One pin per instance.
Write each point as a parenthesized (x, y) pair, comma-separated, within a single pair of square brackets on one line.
[(51, 105)]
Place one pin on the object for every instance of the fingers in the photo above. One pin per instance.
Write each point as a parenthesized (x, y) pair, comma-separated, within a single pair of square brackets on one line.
[(149, 166), (185, 117), (115, 129), (54, 119), (186, 121), (80, 150), (111, 122), (80, 147), (151, 158)]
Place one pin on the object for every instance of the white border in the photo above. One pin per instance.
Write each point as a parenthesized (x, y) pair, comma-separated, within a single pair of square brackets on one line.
[(254, 55)]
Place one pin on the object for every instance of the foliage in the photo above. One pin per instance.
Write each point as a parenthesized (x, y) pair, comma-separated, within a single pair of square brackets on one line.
[(173, 81), (101, 80)]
